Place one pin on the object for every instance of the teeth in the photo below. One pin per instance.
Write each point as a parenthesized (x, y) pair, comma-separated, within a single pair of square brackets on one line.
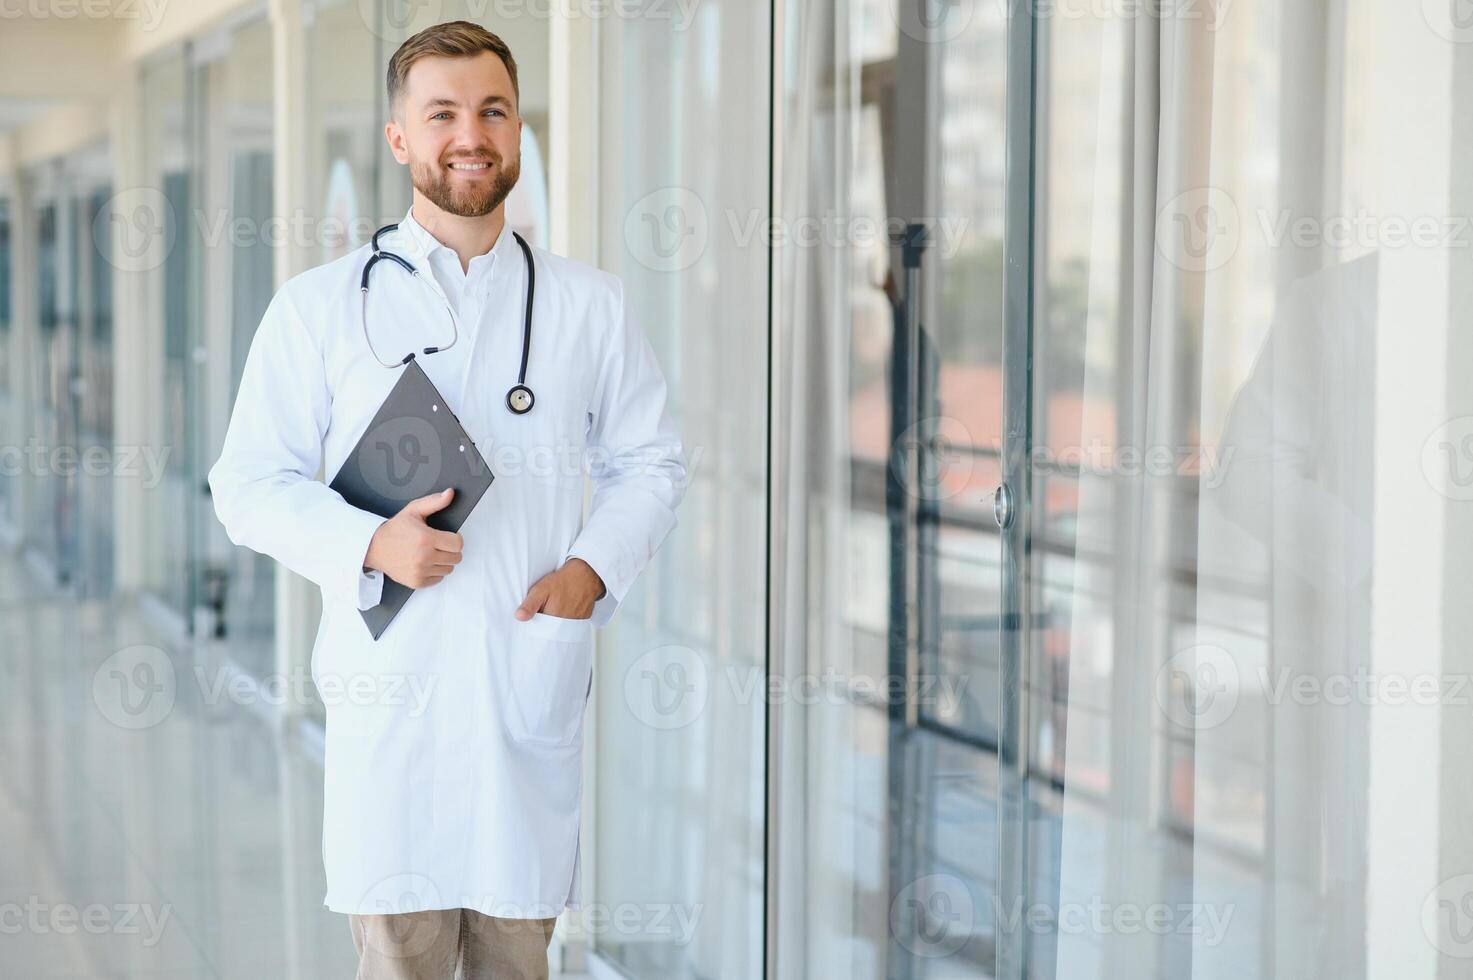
[(469, 166)]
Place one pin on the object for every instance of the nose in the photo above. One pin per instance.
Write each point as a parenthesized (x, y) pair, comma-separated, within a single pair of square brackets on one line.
[(470, 138)]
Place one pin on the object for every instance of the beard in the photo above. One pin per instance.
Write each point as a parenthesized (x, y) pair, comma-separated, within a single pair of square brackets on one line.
[(469, 199)]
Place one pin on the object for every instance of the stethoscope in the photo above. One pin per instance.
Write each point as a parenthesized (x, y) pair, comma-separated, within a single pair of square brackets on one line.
[(519, 398)]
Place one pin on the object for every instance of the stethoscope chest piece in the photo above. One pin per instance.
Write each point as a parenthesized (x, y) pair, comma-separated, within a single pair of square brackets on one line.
[(519, 399)]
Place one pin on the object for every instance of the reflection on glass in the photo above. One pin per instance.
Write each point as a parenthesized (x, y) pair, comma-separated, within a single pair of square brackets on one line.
[(167, 173), (8, 414), (344, 101), (94, 371), (54, 534), (679, 847), (234, 587), (889, 807), (1203, 434)]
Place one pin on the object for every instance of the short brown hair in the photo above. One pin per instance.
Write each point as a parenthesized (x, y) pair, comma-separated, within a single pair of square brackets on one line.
[(453, 39)]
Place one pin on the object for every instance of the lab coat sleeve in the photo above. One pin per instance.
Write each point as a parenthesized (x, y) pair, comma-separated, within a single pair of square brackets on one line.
[(636, 463), (264, 484)]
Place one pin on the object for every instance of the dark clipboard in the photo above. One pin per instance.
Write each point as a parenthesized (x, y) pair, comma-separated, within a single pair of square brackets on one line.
[(414, 446)]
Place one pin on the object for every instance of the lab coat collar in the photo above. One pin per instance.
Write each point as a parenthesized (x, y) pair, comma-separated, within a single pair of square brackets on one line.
[(425, 245)]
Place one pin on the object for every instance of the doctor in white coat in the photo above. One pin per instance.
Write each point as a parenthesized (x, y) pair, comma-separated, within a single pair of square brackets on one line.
[(454, 742)]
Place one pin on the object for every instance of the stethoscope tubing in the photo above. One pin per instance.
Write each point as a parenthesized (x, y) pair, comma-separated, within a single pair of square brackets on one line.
[(519, 399)]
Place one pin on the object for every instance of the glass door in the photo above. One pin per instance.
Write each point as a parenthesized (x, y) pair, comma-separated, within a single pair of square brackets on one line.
[(94, 370), (233, 589), (901, 788), (55, 380)]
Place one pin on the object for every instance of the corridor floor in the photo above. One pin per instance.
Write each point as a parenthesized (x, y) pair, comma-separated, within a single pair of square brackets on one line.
[(154, 824)]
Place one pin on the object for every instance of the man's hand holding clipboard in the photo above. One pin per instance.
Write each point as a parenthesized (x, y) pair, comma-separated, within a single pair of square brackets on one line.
[(409, 551)]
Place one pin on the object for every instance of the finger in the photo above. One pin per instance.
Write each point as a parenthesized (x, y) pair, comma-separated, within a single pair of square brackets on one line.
[(446, 541), (535, 600), (430, 503), (445, 557)]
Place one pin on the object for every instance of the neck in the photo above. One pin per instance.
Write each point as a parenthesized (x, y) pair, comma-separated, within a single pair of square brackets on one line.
[(466, 237)]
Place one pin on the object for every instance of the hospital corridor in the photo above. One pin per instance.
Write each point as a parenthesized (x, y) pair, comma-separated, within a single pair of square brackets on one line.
[(191, 850), (987, 485)]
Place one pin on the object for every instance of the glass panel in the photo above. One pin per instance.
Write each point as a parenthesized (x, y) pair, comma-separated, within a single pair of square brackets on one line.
[(344, 68), (51, 526), (1251, 441), (235, 587), (9, 411), (684, 171), (894, 137), (94, 371), (168, 160)]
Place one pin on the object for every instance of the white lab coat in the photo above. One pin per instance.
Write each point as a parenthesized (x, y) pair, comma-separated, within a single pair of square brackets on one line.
[(454, 742)]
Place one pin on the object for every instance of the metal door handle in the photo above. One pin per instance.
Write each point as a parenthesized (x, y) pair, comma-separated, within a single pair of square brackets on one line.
[(1002, 506)]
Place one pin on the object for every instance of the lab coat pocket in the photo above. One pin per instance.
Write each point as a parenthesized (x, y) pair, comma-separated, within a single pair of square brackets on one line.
[(545, 447), (549, 677)]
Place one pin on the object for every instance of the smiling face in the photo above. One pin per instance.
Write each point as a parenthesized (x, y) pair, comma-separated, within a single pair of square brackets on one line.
[(457, 128)]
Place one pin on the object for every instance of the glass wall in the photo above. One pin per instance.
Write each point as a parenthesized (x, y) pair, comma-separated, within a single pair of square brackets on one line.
[(92, 187), (344, 99), (172, 298), (52, 527), (9, 474), (1193, 310), (233, 588), (67, 457), (683, 182), (895, 150)]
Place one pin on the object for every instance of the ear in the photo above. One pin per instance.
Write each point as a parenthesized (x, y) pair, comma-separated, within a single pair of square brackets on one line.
[(394, 134)]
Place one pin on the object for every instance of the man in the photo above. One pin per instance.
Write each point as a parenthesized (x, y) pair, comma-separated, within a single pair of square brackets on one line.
[(451, 818)]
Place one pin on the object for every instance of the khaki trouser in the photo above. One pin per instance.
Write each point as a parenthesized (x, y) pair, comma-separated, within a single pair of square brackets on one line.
[(450, 944)]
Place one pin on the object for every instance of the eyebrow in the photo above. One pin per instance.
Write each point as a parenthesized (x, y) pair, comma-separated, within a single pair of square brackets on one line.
[(443, 102)]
